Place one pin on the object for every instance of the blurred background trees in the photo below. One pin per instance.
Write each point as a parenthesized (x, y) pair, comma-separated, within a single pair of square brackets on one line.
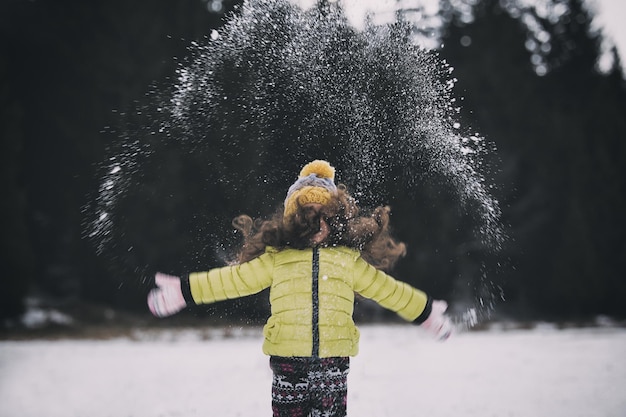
[(72, 72), (559, 127)]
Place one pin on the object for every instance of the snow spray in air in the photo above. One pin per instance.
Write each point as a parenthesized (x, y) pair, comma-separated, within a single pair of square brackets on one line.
[(278, 86)]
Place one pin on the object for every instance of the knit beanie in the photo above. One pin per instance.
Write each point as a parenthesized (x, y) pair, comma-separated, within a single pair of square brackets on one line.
[(316, 184)]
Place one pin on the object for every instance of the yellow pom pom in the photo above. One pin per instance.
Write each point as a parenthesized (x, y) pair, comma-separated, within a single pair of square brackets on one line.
[(320, 168)]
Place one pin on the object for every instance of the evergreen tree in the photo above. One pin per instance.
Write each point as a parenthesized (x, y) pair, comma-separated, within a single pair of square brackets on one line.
[(68, 68)]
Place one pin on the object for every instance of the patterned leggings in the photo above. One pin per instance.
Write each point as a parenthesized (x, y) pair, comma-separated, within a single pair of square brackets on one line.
[(309, 387)]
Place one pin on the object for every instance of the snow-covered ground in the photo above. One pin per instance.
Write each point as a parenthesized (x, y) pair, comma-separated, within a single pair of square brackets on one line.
[(543, 372)]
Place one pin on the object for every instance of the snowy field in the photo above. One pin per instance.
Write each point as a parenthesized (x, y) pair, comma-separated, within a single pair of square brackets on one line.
[(399, 372)]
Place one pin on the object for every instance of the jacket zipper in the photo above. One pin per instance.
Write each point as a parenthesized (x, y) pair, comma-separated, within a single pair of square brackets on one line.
[(316, 303)]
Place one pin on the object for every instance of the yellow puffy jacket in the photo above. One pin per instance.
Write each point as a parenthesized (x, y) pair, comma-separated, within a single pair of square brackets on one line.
[(311, 296)]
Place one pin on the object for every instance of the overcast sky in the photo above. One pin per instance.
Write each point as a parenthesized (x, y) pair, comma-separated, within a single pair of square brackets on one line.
[(610, 14)]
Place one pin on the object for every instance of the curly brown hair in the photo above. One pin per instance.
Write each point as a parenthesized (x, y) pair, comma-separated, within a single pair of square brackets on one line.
[(370, 234)]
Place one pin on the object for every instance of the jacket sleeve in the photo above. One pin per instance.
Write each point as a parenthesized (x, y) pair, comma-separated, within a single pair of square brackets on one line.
[(231, 281), (409, 303)]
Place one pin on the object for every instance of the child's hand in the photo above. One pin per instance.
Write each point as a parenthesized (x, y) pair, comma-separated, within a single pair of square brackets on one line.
[(438, 323), (167, 298)]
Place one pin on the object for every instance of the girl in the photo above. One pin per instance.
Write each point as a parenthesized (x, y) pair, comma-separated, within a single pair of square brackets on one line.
[(313, 255)]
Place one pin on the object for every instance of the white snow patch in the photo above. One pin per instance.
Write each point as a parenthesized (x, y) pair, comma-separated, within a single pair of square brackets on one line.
[(37, 316)]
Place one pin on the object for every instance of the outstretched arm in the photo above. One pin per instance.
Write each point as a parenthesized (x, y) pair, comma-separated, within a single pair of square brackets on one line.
[(175, 293), (409, 303)]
